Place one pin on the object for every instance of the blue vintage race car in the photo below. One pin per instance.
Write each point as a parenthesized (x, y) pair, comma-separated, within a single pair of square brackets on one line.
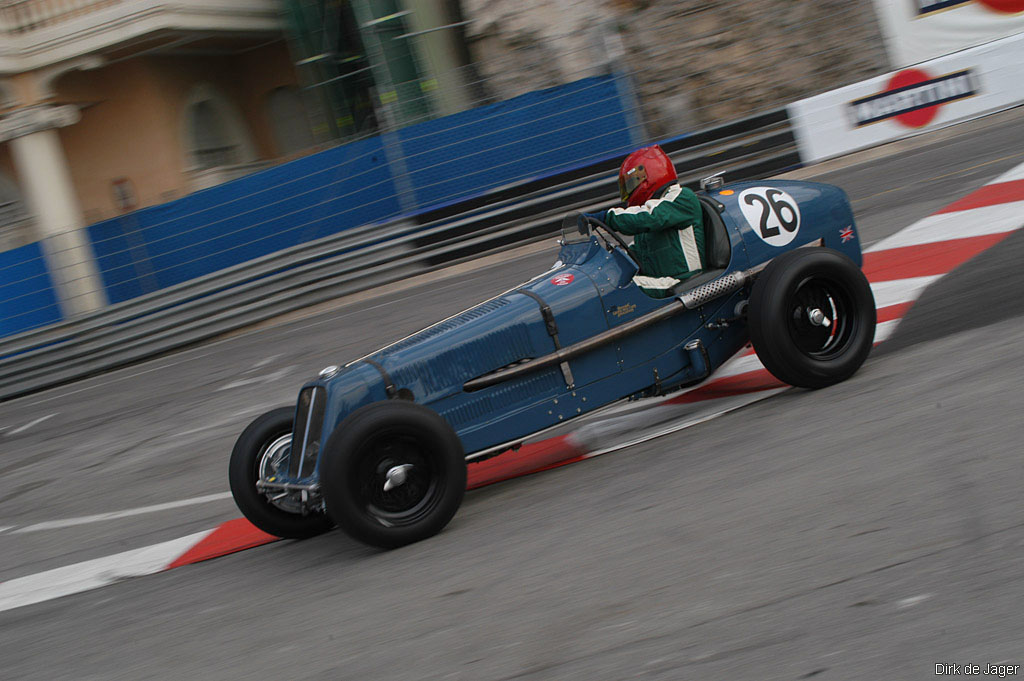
[(380, 446)]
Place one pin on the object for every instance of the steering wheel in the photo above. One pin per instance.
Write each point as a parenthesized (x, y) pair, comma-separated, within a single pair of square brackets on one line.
[(609, 232)]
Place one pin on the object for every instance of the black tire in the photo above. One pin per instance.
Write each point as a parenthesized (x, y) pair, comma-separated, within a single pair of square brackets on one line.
[(375, 440), (243, 472), (790, 345)]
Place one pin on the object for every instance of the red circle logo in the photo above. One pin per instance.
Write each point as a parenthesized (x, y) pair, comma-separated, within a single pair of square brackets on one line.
[(562, 279), (1004, 6), (920, 117)]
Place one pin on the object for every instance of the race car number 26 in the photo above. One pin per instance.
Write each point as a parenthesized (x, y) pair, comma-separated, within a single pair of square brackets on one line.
[(772, 213)]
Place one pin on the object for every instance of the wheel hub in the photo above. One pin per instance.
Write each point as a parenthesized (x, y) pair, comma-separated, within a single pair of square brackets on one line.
[(397, 481), (396, 476), (819, 323), (273, 460), (818, 318)]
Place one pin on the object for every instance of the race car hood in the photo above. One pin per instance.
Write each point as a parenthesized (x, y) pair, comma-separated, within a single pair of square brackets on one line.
[(432, 365), (510, 328)]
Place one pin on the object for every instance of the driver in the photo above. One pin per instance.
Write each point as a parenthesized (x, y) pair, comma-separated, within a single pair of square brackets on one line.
[(668, 230)]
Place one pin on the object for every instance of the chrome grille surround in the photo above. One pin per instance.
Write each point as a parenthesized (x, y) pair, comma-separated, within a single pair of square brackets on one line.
[(308, 431)]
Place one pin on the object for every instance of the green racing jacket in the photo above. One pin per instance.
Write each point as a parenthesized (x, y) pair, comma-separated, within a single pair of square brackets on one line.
[(668, 241)]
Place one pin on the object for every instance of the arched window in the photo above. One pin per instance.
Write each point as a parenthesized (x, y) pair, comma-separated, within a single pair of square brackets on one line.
[(288, 121), (215, 133)]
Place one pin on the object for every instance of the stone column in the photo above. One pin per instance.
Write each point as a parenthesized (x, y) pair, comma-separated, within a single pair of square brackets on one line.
[(40, 162)]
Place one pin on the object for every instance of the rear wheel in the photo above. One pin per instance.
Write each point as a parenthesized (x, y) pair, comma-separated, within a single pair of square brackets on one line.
[(393, 473), (261, 451), (812, 317)]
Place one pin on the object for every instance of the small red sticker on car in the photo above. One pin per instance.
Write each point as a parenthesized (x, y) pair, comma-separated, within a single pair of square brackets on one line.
[(846, 234), (562, 279)]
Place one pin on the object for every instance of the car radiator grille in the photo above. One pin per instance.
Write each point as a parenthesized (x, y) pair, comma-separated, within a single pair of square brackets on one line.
[(309, 425)]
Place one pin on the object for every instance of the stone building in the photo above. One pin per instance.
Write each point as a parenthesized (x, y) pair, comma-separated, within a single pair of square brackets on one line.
[(693, 62)]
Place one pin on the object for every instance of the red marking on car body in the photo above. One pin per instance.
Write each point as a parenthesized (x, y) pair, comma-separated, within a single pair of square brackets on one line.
[(563, 279)]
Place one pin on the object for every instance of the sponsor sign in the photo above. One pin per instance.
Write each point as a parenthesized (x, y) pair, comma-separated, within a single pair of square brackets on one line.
[(941, 92), (925, 7), (913, 98), (919, 30), (929, 6)]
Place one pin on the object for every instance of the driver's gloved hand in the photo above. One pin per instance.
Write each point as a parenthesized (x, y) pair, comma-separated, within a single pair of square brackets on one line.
[(582, 221), (582, 226)]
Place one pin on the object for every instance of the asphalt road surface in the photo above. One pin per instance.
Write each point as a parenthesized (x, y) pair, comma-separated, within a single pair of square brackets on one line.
[(870, 530)]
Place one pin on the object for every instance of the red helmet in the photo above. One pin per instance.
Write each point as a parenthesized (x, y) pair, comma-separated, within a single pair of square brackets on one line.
[(644, 172)]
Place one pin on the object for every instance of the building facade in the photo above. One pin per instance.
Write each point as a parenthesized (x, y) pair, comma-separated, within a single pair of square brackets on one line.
[(107, 106)]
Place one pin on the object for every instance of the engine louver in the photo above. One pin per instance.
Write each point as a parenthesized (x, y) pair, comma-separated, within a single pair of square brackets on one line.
[(449, 324), (510, 394)]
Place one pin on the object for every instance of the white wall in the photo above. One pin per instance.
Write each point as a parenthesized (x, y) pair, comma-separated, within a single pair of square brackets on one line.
[(950, 89)]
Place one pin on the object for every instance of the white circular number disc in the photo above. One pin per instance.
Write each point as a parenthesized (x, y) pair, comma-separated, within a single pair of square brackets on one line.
[(772, 213)]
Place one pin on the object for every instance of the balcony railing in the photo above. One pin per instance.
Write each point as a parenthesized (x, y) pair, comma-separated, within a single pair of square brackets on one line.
[(37, 33), (21, 16)]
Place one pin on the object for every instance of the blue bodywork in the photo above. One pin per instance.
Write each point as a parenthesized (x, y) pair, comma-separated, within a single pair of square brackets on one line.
[(589, 291)]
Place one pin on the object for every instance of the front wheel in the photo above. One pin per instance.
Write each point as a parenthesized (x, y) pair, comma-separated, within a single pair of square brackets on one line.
[(812, 317), (262, 450), (393, 473)]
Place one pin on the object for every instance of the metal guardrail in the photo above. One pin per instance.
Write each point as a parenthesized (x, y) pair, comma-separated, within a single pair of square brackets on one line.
[(361, 258)]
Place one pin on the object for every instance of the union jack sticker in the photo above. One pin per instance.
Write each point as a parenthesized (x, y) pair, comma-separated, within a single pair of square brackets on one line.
[(846, 233)]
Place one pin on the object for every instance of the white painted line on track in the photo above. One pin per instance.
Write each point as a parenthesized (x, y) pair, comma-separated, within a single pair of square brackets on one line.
[(231, 420), (91, 574), (898, 291), (265, 361), (1013, 174), (996, 219), (114, 515), (740, 364), (5, 528), (265, 378), (913, 600), (720, 407), (122, 377), (883, 330), (28, 425)]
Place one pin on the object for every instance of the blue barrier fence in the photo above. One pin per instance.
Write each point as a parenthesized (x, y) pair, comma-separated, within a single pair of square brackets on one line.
[(441, 161), (539, 133), (305, 199), (436, 162), (27, 298)]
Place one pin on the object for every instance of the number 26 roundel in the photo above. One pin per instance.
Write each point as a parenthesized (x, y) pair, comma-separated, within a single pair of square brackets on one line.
[(772, 213)]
